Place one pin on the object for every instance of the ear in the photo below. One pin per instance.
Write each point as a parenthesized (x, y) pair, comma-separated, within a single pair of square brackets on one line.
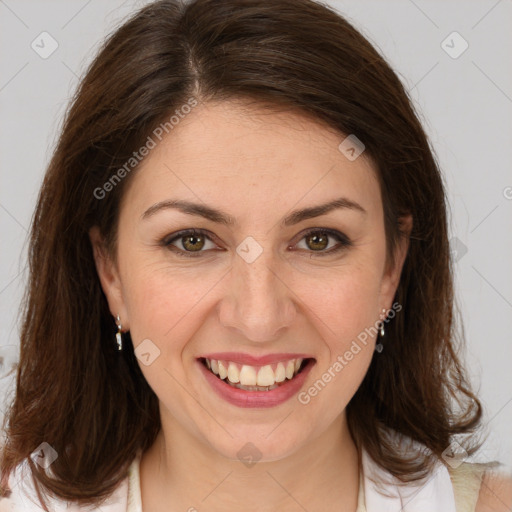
[(393, 270), (109, 277)]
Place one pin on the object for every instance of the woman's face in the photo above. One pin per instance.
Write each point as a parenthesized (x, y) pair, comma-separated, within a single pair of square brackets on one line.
[(271, 277)]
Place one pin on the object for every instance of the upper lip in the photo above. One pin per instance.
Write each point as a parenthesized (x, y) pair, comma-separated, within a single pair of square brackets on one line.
[(242, 358)]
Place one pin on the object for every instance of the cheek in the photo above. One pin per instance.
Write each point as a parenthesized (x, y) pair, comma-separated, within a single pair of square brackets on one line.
[(167, 305), (343, 302), (164, 309), (163, 302), (345, 312)]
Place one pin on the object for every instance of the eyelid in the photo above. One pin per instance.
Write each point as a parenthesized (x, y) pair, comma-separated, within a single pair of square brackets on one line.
[(169, 239), (343, 241)]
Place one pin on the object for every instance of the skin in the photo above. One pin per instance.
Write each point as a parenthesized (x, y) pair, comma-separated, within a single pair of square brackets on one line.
[(257, 166)]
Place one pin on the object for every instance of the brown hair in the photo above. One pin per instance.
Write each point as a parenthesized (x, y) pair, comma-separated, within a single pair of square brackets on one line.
[(92, 404)]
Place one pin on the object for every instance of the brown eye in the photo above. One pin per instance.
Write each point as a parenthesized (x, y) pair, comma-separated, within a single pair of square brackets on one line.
[(193, 242), (323, 241), (317, 241), (189, 243)]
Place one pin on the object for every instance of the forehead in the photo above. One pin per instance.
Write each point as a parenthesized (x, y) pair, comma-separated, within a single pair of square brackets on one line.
[(241, 154)]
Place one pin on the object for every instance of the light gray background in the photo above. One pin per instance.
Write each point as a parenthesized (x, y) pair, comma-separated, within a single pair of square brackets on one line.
[(465, 104)]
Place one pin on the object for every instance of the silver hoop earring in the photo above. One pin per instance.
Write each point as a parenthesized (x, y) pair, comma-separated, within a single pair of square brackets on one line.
[(119, 338)]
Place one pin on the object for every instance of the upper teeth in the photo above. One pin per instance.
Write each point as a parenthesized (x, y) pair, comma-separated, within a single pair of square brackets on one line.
[(248, 375)]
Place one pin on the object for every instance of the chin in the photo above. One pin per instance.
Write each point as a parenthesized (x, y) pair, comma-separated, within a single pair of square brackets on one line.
[(251, 446)]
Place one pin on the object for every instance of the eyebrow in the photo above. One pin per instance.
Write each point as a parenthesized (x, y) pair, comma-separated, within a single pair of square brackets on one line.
[(220, 217)]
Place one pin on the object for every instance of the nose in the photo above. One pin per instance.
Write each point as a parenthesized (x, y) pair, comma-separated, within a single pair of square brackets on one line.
[(258, 303)]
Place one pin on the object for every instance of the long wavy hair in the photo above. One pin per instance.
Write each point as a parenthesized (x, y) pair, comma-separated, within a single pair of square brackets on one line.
[(92, 404)]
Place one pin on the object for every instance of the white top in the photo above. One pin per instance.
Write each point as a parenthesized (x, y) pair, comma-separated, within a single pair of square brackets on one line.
[(450, 491)]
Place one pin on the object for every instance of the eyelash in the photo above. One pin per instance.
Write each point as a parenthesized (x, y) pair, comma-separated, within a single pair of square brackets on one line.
[(344, 242)]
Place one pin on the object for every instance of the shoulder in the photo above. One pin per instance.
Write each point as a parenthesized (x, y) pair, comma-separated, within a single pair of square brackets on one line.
[(495, 493), (22, 497), (480, 488)]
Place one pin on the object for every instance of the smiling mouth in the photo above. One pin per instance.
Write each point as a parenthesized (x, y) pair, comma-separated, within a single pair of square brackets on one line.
[(256, 378)]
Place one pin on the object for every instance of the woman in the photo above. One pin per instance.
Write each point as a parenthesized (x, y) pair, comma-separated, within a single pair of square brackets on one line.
[(241, 295)]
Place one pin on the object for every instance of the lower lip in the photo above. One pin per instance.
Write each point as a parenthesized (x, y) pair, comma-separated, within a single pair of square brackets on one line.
[(242, 398)]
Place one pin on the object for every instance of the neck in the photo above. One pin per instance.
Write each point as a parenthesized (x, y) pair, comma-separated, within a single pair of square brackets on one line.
[(180, 472)]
